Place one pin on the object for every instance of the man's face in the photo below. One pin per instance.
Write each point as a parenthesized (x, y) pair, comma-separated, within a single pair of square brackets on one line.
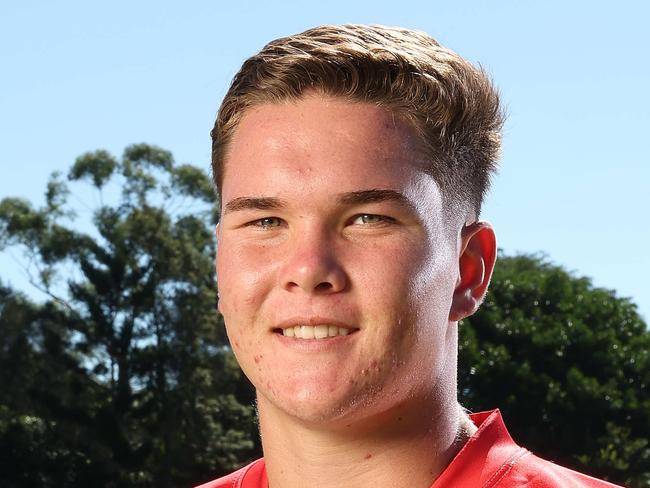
[(330, 227)]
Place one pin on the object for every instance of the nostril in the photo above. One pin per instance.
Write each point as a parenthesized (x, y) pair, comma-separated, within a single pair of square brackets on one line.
[(292, 284), (318, 278), (325, 286)]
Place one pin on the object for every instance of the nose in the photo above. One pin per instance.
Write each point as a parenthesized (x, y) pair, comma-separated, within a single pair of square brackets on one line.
[(313, 266)]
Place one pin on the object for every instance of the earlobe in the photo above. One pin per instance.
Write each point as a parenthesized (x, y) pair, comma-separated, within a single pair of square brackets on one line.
[(475, 266)]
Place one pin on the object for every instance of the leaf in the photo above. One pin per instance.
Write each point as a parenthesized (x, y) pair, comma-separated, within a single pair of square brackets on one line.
[(97, 166)]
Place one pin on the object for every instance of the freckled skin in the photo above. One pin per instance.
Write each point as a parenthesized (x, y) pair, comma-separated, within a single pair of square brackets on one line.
[(393, 282)]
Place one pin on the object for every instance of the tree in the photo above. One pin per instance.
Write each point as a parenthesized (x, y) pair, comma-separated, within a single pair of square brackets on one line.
[(569, 366), (124, 376)]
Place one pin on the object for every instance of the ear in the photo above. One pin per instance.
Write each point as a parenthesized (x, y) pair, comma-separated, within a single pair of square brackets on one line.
[(478, 254)]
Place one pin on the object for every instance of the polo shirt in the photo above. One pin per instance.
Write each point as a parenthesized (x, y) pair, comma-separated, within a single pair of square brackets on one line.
[(490, 458)]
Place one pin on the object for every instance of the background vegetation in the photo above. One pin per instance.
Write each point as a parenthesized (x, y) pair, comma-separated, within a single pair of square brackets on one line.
[(123, 375)]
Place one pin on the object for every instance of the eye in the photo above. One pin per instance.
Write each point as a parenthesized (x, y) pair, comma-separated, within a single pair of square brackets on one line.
[(267, 222), (371, 219)]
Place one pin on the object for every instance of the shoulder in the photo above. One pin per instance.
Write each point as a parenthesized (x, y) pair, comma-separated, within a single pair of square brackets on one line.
[(491, 459), (250, 476), (534, 472)]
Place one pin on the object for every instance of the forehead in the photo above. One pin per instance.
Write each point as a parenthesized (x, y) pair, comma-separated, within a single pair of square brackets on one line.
[(331, 116), (319, 135)]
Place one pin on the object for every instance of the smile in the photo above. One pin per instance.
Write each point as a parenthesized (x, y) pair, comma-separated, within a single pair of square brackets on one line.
[(315, 331)]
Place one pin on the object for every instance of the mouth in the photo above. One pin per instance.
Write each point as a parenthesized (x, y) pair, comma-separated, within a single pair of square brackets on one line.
[(320, 332)]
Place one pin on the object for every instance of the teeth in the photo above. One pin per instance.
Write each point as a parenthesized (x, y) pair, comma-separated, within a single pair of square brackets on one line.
[(306, 332), (321, 331), (315, 332)]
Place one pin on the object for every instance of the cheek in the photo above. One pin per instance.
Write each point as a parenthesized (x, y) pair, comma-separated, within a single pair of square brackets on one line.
[(245, 342), (433, 281), (409, 275), (413, 291), (244, 277)]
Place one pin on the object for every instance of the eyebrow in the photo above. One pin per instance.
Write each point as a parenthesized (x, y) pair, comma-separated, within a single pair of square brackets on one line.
[(350, 198), (374, 196), (253, 203)]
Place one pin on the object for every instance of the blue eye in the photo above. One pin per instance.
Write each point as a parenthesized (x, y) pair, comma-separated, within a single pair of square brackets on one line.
[(368, 219), (267, 222)]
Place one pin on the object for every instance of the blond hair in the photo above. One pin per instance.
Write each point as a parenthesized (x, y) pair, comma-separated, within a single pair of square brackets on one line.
[(451, 104)]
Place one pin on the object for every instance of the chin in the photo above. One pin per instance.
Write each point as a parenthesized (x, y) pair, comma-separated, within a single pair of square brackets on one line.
[(307, 405), (320, 407), (318, 414)]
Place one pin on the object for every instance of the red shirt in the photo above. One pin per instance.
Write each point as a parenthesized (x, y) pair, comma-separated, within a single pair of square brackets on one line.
[(489, 459)]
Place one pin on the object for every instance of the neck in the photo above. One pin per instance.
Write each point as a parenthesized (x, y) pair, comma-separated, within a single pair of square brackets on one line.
[(408, 446)]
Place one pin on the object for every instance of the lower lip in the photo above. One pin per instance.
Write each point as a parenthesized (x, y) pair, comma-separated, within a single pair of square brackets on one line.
[(315, 345)]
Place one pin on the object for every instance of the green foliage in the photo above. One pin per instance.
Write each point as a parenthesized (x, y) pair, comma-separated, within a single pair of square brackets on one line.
[(568, 364), (96, 166), (123, 377), (191, 181)]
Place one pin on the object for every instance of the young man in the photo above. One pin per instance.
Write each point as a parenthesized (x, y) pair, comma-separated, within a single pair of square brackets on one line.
[(351, 164)]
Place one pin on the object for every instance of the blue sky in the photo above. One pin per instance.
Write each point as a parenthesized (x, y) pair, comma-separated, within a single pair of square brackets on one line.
[(574, 76)]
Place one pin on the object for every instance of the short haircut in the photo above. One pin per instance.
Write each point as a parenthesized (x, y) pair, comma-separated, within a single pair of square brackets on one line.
[(451, 104)]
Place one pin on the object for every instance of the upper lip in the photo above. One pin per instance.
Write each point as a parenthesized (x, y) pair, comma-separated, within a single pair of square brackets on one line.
[(312, 320)]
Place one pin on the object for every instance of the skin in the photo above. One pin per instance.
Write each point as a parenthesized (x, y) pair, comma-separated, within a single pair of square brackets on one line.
[(329, 218)]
